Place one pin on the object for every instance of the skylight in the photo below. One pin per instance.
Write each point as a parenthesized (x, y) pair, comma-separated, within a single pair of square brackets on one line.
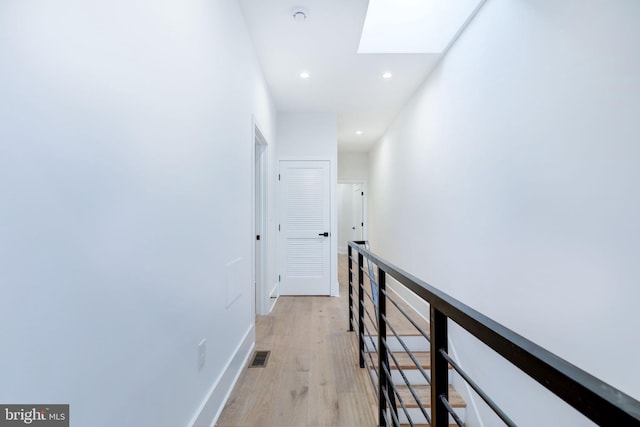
[(414, 26)]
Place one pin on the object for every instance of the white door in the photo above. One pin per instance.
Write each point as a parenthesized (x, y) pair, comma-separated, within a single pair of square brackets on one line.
[(305, 202), (358, 212)]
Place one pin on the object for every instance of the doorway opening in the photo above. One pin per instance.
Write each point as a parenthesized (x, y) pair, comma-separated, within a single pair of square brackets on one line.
[(261, 301), (352, 213)]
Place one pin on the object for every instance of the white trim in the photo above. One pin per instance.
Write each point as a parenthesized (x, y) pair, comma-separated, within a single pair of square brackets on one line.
[(261, 305), (420, 306), (465, 391), (273, 297), (212, 406), (365, 210)]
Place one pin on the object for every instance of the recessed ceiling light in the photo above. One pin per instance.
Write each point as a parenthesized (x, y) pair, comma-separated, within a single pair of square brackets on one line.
[(358, 132), (304, 75), (387, 75)]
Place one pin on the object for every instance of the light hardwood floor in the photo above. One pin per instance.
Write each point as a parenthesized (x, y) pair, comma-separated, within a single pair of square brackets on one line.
[(312, 376)]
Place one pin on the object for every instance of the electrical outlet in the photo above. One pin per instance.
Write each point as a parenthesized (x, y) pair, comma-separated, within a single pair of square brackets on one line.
[(202, 353)]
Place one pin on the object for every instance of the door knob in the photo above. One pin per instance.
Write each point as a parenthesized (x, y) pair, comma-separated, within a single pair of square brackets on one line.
[(325, 234), (353, 228)]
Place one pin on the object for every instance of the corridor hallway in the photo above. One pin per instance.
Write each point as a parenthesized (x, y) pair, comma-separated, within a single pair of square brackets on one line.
[(312, 376)]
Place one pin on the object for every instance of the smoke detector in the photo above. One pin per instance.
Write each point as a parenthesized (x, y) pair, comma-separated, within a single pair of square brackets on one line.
[(299, 14)]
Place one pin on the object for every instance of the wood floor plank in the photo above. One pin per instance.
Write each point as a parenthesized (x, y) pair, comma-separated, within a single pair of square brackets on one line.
[(245, 407), (424, 394), (324, 407), (312, 377), (352, 412), (291, 406)]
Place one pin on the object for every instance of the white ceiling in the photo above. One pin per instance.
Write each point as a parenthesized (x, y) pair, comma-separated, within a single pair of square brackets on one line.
[(341, 80)]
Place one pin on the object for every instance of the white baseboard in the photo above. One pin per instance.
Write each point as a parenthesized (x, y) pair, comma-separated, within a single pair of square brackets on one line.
[(273, 298), (419, 305), (464, 389), (212, 406), (274, 291)]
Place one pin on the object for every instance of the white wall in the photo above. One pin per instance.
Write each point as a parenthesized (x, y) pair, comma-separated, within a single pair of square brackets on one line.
[(314, 136), (353, 166), (125, 189), (510, 181)]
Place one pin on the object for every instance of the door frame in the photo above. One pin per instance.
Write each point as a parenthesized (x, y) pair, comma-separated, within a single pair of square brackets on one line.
[(365, 209), (259, 219)]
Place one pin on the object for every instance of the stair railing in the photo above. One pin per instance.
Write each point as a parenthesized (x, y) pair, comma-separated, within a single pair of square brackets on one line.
[(598, 401)]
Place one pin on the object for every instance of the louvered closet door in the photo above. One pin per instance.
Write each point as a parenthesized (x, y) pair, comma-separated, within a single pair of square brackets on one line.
[(304, 218)]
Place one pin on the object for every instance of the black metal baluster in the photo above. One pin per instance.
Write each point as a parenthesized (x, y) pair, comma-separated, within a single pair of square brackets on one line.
[(361, 308), (382, 350), (350, 291), (439, 369)]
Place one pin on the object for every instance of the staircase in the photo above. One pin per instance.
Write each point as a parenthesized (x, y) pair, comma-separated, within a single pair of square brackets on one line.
[(404, 397), (407, 343), (399, 358)]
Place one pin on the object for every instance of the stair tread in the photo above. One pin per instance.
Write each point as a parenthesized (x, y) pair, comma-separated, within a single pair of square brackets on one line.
[(405, 362), (424, 394), (404, 334), (425, 425)]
